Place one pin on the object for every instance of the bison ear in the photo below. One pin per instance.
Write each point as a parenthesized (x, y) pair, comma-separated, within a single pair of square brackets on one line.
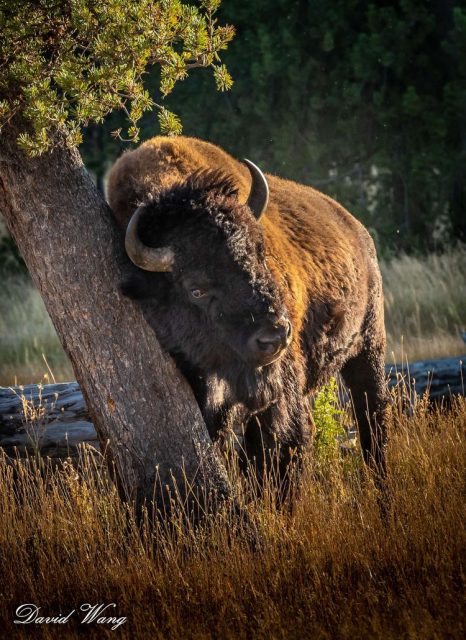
[(258, 198)]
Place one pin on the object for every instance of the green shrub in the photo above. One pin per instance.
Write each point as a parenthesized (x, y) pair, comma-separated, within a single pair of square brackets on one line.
[(327, 418)]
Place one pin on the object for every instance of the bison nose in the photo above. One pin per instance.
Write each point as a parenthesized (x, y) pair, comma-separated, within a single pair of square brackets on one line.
[(266, 343)]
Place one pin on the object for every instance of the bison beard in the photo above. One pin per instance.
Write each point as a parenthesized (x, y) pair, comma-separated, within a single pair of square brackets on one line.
[(223, 291)]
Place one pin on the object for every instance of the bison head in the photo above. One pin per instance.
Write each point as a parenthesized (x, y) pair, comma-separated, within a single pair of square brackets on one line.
[(205, 265)]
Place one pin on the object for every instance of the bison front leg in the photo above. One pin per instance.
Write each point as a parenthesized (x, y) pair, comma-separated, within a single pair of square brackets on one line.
[(365, 377), (274, 442)]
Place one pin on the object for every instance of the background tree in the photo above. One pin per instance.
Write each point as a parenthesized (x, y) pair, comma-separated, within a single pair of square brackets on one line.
[(65, 65), (366, 101)]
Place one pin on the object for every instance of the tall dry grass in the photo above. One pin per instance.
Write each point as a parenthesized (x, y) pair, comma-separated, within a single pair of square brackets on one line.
[(27, 335), (332, 568), (425, 305), (425, 308)]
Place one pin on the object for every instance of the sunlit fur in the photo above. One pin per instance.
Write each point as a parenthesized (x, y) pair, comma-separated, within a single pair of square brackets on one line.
[(307, 259)]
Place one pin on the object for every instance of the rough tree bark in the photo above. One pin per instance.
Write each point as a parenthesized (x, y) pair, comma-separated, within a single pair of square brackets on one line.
[(143, 410)]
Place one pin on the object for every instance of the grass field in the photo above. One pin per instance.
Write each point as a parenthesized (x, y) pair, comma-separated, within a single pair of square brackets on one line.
[(425, 308), (27, 336), (425, 305), (335, 568)]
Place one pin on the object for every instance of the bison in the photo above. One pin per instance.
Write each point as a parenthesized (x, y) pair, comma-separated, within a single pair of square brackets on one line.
[(259, 287)]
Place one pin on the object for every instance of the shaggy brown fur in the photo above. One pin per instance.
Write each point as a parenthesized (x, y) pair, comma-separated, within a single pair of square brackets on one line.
[(324, 273)]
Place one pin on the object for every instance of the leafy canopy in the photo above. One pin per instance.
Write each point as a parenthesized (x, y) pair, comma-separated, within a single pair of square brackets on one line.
[(70, 63)]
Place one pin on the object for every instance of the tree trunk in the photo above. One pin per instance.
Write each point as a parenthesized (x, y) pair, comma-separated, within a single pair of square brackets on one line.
[(144, 412)]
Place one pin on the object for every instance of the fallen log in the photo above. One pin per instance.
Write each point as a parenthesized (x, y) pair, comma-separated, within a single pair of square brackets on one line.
[(52, 419), (440, 379)]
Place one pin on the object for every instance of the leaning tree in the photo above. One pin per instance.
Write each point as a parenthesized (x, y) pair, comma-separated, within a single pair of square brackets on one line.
[(65, 64)]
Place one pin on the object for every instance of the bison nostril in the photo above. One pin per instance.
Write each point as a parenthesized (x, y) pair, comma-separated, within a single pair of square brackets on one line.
[(268, 345), (284, 328)]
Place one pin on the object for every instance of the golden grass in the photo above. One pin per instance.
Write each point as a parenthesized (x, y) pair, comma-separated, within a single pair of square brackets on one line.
[(27, 335), (425, 305), (334, 568), (425, 309)]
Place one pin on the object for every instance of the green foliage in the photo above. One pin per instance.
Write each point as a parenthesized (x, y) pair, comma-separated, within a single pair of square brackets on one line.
[(72, 63), (327, 420), (169, 123)]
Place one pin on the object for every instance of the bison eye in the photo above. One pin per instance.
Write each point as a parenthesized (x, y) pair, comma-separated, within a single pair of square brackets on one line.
[(198, 293)]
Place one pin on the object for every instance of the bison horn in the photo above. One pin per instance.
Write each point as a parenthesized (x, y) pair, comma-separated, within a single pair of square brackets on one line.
[(258, 198), (147, 258)]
